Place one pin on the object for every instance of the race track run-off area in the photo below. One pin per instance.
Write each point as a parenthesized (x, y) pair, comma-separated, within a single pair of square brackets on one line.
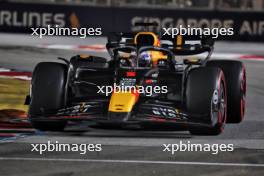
[(130, 151)]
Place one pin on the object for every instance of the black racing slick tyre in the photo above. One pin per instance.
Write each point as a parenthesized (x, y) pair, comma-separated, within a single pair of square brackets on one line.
[(47, 94), (206, 100), (235, 75)]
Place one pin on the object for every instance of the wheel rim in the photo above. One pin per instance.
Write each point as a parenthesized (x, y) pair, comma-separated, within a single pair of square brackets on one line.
[(243, 93), (218, 109), (222, 106)]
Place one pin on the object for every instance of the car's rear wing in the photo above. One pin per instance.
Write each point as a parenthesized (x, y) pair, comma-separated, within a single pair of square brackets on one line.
[(179, 45), (187, 45), (128, 38), (116, 39)]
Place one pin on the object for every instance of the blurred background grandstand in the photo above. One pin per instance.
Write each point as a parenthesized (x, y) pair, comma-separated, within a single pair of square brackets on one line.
[(246, 17), (254, 5)]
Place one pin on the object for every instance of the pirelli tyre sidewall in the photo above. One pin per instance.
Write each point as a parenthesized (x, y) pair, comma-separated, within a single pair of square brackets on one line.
[(235, 75), (47, 93), (206, 100)]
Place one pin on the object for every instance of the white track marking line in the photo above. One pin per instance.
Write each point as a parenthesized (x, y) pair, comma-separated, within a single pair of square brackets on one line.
[(26, 78), (4, 70), (133, 161), (95, 47)]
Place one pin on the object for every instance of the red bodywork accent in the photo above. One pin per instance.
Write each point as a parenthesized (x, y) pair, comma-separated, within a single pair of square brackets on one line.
[(130, 74), (149, 81)]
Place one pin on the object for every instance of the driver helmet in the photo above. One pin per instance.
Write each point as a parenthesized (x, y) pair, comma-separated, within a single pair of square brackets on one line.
[(145, 59)]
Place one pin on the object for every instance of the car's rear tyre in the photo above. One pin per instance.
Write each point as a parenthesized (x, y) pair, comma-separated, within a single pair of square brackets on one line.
[(235, 75), (47, 95), (206, 100)]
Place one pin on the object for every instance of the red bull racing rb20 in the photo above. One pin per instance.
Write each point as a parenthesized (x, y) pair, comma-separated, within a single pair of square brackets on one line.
[(169, 83)]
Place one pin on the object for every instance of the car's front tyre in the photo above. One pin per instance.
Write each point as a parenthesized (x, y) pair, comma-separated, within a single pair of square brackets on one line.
[(47, 95), (206, 97)]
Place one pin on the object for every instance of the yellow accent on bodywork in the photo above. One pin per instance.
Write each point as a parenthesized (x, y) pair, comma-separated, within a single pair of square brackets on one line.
[(84, 56), (193, 60), (157, 55), (122, 102), (179, 42), (125, 55)]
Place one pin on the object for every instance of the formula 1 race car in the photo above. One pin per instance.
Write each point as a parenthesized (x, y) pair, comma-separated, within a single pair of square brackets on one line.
[(166, 86)]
